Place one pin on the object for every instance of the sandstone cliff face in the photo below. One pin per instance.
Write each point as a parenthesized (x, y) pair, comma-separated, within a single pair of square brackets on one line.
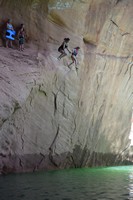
[(54, 117)]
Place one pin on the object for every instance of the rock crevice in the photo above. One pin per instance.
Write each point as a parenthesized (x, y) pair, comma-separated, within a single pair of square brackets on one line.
[(55, 117)]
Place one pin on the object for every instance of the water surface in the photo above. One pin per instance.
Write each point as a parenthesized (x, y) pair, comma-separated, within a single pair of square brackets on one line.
[(113, 183)]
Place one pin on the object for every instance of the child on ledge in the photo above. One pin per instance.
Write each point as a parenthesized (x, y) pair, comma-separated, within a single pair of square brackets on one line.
[(21, 37)]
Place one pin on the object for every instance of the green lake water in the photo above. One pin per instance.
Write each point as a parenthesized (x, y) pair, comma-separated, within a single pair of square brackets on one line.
[(113, 183)]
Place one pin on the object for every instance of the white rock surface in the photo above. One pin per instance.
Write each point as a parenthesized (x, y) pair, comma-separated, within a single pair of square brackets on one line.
[(54, 117)]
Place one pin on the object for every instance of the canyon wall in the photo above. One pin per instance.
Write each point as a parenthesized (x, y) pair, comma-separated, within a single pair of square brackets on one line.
[(53, 117)]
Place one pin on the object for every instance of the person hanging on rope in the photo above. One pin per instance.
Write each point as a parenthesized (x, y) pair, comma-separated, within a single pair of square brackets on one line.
[(73, 56), (63, 49)]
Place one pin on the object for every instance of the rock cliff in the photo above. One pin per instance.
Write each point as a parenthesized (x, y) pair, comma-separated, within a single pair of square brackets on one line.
[(54, 117)]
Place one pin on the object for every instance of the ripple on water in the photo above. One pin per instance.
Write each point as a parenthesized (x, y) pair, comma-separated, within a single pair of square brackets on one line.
[(79, 184), (21, 196)]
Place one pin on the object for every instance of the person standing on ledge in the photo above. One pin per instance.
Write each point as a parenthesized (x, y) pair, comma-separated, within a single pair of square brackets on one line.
[(21, 37), (63, 49), (73, 56), (9, 26)]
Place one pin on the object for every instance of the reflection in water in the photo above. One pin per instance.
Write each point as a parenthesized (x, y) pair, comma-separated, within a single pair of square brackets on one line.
[(113, 183)]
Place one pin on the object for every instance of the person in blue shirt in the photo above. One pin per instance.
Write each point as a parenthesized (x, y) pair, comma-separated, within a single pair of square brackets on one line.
[(73, 56)]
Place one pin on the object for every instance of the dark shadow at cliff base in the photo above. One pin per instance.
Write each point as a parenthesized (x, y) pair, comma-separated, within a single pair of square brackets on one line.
[(79, 158)]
